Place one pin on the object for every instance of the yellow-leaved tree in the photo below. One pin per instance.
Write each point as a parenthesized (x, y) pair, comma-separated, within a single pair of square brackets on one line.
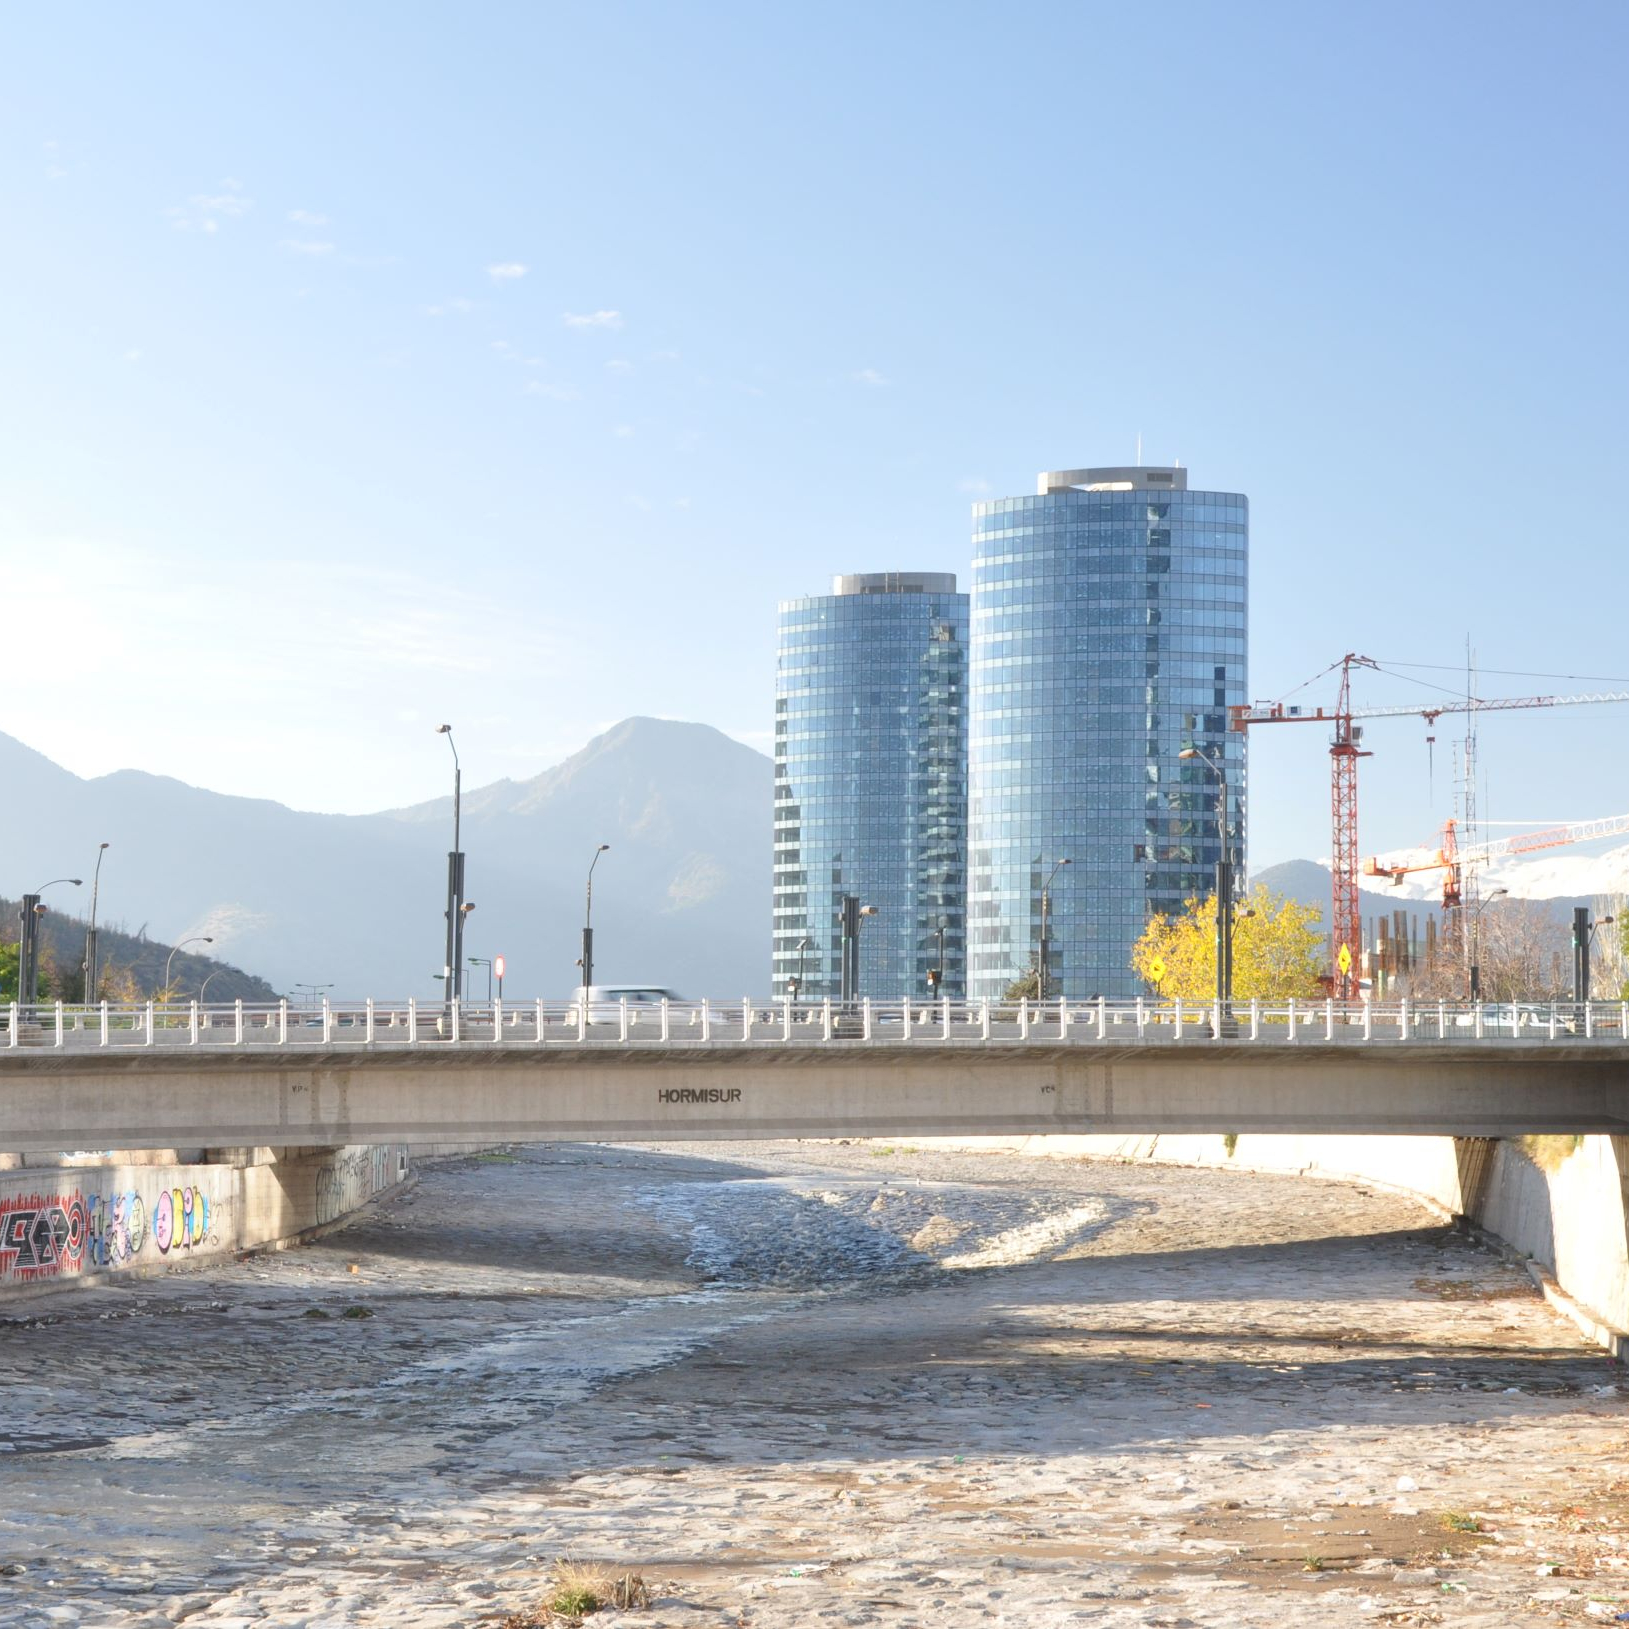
[(1278, 950)]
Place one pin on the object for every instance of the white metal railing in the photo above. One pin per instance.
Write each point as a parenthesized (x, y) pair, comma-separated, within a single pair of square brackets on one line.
[(378, 1025)]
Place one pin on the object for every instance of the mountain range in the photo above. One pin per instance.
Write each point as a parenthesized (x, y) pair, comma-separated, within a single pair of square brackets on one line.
[(357, 901)]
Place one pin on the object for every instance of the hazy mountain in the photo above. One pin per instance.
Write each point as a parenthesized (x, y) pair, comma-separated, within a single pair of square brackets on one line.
[(682, 898), (1307, 883)]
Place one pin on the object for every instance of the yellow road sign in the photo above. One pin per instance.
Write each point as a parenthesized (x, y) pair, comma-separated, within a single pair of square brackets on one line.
[(1344, 960), (1156, 969)]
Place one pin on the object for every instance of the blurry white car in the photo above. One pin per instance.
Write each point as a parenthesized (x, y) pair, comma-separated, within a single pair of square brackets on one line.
[(604, 1001)]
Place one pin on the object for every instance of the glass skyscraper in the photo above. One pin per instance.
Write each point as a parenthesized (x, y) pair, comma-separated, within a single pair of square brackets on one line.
[(1108, 634), (871, 783)]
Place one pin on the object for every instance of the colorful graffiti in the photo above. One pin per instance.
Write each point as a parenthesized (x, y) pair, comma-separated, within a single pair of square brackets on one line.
[(116, 1228), (42, 1235), (180, 1219)]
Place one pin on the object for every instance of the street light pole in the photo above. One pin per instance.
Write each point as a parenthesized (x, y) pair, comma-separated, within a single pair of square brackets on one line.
[(1224, 885), (939, 960), (486, 962), (196, 939), (89, 968), (797, 983), (588, 920), (1041, 979), (1583, 934), (852, 910), (28, 942), (205, 985), (453, 971), (1476, 942)]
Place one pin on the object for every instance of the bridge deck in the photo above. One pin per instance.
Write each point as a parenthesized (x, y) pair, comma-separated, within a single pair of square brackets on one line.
[(206, 1095)]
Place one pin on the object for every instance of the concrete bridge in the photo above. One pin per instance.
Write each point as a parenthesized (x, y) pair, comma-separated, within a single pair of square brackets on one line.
[(372, 1072)]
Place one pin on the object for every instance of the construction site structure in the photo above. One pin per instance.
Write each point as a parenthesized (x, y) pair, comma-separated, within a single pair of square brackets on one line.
[(1346, 925), (1451, 859)]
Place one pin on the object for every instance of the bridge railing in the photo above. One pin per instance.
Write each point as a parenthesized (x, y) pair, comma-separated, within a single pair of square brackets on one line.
[(393, 1024)]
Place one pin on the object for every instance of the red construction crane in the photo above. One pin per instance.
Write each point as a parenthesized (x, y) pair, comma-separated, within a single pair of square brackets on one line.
[(1344, 752), (1451, 858)]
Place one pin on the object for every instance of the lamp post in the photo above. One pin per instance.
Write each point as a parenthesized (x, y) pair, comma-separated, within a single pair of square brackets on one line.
[(486, 962), (89, 968), (206, 984), (196, 939), (936, 981), (1041, 980), (453, 969), (588, 919), (797, 982), (851, 911), (1583, 933), (1224, 884), (1476, 942), (28, 941)]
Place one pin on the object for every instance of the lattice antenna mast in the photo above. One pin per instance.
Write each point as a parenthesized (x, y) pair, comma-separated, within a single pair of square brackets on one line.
[(1468, 889), (1346, 928)]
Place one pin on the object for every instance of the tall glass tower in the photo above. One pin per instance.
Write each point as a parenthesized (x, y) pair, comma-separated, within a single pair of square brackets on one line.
[(871, 783), (1108, 635)]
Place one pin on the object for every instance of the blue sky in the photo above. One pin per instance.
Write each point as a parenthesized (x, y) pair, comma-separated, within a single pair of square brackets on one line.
[(379, 364)]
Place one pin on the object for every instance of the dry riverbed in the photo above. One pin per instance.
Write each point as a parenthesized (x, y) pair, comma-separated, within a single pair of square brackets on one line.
[(822, 1384)]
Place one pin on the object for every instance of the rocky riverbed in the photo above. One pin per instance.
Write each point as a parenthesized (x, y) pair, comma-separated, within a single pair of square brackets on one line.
[(822, 1383)]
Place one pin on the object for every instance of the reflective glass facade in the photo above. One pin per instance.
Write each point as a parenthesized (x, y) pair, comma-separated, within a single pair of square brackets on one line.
[(1108, 634), (871, 782)]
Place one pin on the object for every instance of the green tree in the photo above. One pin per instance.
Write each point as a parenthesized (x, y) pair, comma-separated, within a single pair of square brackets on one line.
[(10, 956), (1278, 950), (1027, 986)]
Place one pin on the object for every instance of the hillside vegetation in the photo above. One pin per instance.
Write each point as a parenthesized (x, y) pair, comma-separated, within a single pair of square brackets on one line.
[(131, 967)]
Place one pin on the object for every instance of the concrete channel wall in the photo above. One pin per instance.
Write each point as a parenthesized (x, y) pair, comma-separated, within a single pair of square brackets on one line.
[(74, 1217), (1568, 1215)]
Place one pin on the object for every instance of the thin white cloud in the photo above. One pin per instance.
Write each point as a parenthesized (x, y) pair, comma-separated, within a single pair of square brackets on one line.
[(869, 376), (554, 393), (506, 271), (644, 505), (204, 211), (619, 364), (623, 431), (973, 483), (132, 356), (306, 246), (592, 319), (304, 217)]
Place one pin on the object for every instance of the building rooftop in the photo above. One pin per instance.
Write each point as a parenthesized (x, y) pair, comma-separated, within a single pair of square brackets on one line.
[(1121, 478), (895, 582)]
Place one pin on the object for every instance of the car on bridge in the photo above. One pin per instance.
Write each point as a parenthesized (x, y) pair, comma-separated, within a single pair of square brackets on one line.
[(604, 1002)]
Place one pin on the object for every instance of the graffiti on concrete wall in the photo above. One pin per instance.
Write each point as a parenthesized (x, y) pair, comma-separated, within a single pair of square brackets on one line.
[(114, 1218), (356, 1176), (46, 1235), (181, 1220), (42, 1236), (116, 1228)]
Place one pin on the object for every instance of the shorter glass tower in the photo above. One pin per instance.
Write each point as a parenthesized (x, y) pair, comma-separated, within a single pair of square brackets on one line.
[(871, 784)]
